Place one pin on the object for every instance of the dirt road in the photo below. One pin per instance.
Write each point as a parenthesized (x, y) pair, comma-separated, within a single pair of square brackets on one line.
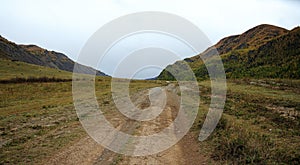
[(186, 151)]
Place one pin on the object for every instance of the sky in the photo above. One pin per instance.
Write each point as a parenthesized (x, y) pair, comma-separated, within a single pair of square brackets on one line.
[(66, 25)]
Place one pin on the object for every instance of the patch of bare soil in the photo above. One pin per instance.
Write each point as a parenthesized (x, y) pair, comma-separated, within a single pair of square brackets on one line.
[(85, 151), (289, 113)]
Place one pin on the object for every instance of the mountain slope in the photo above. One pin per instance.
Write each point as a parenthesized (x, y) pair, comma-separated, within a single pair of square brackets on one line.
[(16, 69), (264, 51), (252, 38), (35, 55)]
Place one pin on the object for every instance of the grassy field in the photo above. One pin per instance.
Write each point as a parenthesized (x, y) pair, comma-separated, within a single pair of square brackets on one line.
[(39, 119), (260, 124)]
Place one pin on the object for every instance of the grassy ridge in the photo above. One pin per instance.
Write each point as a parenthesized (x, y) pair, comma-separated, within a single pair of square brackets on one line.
[(277, 57), (13, 69)]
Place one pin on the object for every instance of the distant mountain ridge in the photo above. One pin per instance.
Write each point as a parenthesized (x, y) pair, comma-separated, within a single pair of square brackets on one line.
[(265, 51), (36, 55), (254, 37)]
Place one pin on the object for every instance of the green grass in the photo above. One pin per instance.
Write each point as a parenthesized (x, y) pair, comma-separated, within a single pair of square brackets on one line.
[(278, 57), (37, 120), (12, 69), (251, 133)]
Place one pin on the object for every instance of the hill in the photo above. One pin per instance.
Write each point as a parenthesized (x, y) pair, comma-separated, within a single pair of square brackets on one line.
[(17, 69), (252, 38), (265, 51), (33, 54)]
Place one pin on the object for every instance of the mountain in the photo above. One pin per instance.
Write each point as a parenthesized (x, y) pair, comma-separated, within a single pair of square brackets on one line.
[(35, 55), (265, 51), (252, 38)]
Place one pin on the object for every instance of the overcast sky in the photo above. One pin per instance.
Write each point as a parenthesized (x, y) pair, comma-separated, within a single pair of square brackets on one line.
[(65, 25)]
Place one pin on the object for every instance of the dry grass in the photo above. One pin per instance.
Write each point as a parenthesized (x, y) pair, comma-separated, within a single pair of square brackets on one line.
[(39, 119), (249, 132)]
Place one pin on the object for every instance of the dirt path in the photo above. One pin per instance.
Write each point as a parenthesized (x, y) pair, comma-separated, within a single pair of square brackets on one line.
[(186, 151), (84, 151)]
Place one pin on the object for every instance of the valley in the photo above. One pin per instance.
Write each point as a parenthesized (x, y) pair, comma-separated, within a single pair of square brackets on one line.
[(260, 123)]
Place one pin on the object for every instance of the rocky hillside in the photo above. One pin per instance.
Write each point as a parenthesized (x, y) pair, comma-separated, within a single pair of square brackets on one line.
[(35, 55), (265, 51)]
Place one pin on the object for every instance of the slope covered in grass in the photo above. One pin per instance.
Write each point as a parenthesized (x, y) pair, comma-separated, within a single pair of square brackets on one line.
[(262, 52), (33, 54), (16, 69)]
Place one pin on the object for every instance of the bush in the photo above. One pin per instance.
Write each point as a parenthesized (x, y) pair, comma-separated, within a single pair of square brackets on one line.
[(34, 79), (243, 147)]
